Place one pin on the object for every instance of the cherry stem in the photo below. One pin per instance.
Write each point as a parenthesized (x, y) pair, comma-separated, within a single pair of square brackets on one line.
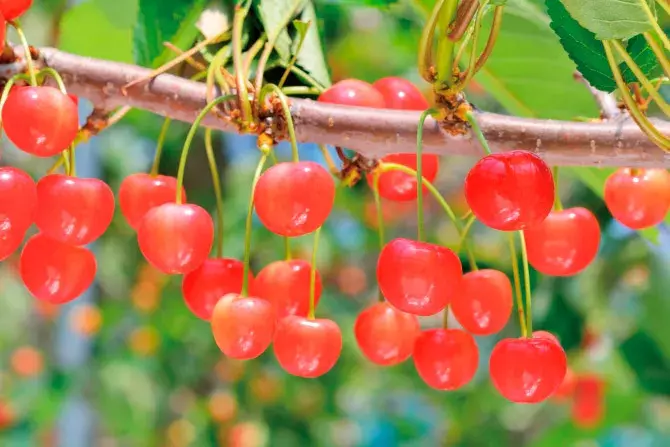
[(558, 205), (445, 318), (189, 138), (216, 183), (436, 195), (159, 147), (72, 169), (378, 208), (293, 60), (517, 286), (214, 69), (249, 222), (268, 88), (445, 47), (48, 71), (658, 51), (464, 236), (493, 37), (426, 42), (26, 50), (526, 274), (419, 173), (470, 72), (477, 130), (312, 275), (329, 160), (242, 92), (287, 248)]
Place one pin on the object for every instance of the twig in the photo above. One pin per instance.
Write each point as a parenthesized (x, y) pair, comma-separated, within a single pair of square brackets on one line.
[(606, 101)]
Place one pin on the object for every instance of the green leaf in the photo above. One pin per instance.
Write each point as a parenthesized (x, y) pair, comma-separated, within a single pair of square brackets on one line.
[(311, 57), (529, 72), (159, 21), (612, 19), (369, 3), (647, 362), (644, 57), (275, 15)]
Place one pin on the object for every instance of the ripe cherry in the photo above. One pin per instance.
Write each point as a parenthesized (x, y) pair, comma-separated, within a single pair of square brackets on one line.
[(638, 198), (243, 327), (18, 201), (484, 302), (386, 335), (12, 9), (588, 404), (565, 243), (417, 277), (140, 192), (547, 335), (399, 186), (3, 31), (73, 210), (286, 285), (54, 271), (353, 92), (293, 199), (446, 359), (498, 189), (307, 348), (53, 123), (10, 241), (400, 94), (527, 370), (176, 238), (203, 287)]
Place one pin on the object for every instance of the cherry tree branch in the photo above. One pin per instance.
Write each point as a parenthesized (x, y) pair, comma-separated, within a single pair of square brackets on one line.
[(371, 132)]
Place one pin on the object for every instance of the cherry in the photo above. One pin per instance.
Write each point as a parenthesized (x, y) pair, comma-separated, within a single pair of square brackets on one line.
[(400, 94), (353, 92), (176, 238), (73, 210), (546, 335), (294, 198), (484, 303), (565, 243), (18, 200), (417, 277), (527, 370), (386, 335), (53, 122), (307, 348), (3, 31), (12, 9), (56, 272), (286, 284), (10, 241), (510, 191), (446, 359), (243, 327), (203, 287), (399, 186), (140, 192), (588, 404), (638, 198)]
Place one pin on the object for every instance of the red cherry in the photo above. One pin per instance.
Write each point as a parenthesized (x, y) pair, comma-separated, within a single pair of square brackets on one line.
[(386, 335), (56, 272), (588, 404), (307, 348), (53, 122), (399, 186), (527, 370), (546, 335), (3, 31), (484, 303), (18, 200), (243, 327), (400, 94), (74, 99), (293, 199), (176, 239), (10, 241), (498, 189), (12, 9), (353, 92), (638, 198), (446, 359), (417, 277), (140, 192), (565, 243), (73, 210), (203, 287), (285, 284)]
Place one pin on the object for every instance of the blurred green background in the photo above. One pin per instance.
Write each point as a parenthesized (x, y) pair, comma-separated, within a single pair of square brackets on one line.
[(128, 365)]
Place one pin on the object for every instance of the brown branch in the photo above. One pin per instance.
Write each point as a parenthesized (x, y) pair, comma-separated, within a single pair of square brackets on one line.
[(371, 132)]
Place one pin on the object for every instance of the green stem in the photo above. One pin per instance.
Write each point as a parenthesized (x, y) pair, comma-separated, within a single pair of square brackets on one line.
[(287, 115), (464, 235), (189, 138), (419, 174), (72, 168), (526, 280), (645, 125), (445, 47), (287, 248), (426, 42), (214, 69), (26, 51), (445, 318), (493, 37), (477, 130), (472, 64), (378, 207), (293, 60), (658, 51), (48, 71), (301, 90), (558, 206), (517, 286), (312, 275), (159, 147), (248, 225), (242, 92), (665, 5), (654, 23), (216, 183)]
